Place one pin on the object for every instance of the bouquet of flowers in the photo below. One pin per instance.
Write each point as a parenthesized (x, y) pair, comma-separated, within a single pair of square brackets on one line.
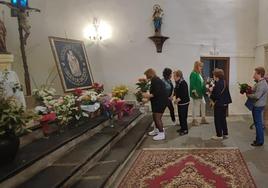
[(44, 94), (245, 88), (143, 85), (120, 91), (98, 88), (65, 109), (210, 83), (88, 97)]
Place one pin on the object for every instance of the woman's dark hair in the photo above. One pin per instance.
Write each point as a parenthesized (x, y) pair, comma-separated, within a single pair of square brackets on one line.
[(167, 73)]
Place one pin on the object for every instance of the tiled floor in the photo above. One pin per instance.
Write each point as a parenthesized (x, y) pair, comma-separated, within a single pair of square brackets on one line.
[(199, 137)]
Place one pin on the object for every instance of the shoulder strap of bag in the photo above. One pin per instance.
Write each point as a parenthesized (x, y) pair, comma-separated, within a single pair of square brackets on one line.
[(224, 83)]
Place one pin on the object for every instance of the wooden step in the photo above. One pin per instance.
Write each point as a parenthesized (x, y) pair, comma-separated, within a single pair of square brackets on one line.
[(36, 156), (103, 174), (65, 171)]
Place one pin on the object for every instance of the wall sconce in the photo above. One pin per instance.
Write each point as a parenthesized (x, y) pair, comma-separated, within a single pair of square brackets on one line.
[(98, 31), (214, 51)]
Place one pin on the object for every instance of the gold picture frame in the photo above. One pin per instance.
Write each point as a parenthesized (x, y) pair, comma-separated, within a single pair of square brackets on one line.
[(72, 63)]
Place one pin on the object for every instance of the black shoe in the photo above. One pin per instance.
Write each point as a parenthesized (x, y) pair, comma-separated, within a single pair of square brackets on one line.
[(256, 144), (183, 132)]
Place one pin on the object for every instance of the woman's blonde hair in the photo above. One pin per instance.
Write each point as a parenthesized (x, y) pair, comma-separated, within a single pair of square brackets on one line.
[(178, 73), (150, 73), (196, 65)]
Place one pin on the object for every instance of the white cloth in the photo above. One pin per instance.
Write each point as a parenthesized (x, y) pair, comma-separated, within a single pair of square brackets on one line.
[(12, 81), (197, 103), (90, 108)]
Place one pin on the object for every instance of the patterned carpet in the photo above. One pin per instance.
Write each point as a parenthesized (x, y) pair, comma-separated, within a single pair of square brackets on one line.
[(188, 168)]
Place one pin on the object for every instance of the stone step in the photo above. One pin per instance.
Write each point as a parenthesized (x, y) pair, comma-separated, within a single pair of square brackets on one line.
[(36, 156), (103, 174), (66, 170)]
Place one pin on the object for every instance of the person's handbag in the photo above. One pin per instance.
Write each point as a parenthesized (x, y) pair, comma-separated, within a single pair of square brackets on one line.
[(249, 104)]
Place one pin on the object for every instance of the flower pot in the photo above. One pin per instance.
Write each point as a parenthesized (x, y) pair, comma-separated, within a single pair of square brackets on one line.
[(49, 128), (9, 146)]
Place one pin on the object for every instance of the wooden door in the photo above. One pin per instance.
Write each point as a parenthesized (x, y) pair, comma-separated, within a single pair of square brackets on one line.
[(210, 64)]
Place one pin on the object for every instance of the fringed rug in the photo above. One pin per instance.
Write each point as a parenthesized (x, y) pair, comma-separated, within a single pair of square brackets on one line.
[(188, 168)]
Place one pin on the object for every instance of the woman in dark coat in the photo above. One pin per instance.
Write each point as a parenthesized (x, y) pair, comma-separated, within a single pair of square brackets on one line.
[(159, 100), (221, 99), (182, 100)]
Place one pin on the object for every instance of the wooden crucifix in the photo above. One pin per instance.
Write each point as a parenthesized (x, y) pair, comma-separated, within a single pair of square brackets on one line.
[(22, 13)]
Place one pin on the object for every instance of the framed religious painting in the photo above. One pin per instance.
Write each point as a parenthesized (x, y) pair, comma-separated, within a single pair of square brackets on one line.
[(72, 63)]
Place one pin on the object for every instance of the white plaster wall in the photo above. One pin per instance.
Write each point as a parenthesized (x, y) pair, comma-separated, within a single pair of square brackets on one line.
[(262, 39), (192, 26)]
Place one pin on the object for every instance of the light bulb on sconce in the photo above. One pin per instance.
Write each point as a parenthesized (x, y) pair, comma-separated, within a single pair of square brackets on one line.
[(98, 31)]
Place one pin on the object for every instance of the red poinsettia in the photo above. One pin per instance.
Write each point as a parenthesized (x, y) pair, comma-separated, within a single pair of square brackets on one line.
[(78, 92), (48, 117)]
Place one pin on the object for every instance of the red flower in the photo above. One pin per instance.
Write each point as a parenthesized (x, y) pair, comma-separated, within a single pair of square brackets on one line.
[(78, 92), (48, 117), (98, 87)]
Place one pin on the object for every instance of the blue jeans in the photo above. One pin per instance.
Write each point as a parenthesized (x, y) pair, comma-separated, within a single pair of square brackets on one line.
[(257, 117)]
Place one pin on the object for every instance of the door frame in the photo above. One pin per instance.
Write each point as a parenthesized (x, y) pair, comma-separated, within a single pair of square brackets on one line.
[(226, 72), (227, 59)]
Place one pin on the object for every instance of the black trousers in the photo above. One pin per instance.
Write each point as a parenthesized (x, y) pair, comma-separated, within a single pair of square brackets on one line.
[(171, 110), (220, 113), (183, 115)]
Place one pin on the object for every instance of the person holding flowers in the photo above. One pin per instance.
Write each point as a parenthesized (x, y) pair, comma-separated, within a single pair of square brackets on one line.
[(259, 97), (159, 100), (221, 98), (197, 92)]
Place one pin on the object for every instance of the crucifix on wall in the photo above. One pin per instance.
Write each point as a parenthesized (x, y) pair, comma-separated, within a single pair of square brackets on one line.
[(21, 10)]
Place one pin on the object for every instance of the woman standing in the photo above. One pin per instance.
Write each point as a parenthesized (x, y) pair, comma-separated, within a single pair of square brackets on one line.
[(221, 99), (159, 100), (167, 73), (182, 100), (197, 92)]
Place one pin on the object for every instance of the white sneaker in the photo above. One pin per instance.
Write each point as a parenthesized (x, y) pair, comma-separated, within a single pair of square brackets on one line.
[(153, 132), (216, 137), (160, 136)]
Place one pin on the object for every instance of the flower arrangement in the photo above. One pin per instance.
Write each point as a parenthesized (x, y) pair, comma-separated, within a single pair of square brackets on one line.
[(13, 117), (44, 94), (98, 88), (88, 97), (245, 88), (65, 108), (143, 85), (120, 91), (210, 83)]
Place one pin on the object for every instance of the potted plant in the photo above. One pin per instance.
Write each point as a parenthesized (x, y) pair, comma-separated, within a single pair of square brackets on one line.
[(13, 119), (120, 91)]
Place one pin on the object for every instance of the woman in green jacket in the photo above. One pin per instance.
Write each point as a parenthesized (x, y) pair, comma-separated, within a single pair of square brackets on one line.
[(197, 92)]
